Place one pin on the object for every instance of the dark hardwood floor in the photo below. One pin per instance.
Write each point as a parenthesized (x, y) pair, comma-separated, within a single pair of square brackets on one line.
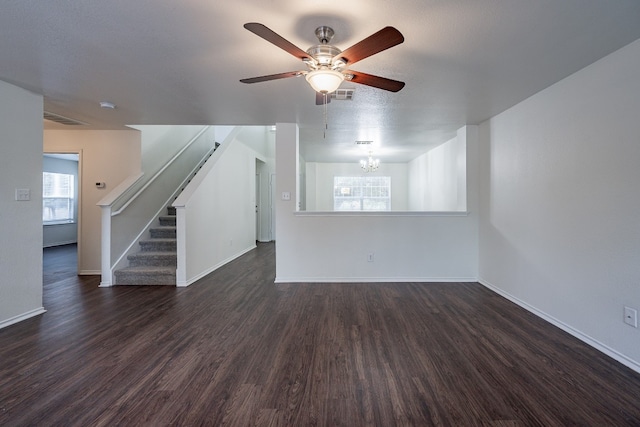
[(59, 262), (235, 349)]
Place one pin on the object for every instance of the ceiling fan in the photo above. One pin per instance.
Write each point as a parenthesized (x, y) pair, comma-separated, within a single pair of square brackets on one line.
[(327, 66)]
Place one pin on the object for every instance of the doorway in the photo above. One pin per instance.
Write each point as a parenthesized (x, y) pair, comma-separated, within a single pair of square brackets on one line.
[(61, 211), (263, 203)]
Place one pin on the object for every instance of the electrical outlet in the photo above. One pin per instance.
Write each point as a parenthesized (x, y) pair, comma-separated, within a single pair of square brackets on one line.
[(370, 257), (631, 316)]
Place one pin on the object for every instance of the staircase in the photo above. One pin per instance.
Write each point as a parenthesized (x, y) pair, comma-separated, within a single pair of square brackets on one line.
[(155, 263)]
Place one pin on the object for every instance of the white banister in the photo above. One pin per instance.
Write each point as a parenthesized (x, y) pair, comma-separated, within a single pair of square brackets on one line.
[(106, 279), (181, 247), (113, 198)]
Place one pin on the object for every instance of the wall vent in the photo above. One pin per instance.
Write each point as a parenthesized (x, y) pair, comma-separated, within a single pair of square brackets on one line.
[(364, 142), (343, 94), (62, 120)]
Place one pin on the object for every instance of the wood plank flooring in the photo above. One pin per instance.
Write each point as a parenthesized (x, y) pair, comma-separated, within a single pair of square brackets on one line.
[(59, 263), (235, 349)]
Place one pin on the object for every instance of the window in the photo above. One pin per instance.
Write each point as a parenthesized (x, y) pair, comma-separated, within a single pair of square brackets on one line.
[(362, 193), (58, 194)]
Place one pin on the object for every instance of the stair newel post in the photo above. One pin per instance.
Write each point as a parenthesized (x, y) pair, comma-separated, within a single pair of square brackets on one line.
[(105, 247), (181, 246)]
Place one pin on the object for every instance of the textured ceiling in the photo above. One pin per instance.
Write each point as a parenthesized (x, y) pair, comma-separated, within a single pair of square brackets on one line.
[(169, 62)]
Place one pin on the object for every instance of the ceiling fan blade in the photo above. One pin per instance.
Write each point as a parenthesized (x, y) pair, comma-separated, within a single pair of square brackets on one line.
[(375, 81), (377, 42), (323, 98), (276, 39), (271, 77)]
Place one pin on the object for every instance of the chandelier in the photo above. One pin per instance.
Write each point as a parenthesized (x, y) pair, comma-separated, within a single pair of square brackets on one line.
[(370, 165)]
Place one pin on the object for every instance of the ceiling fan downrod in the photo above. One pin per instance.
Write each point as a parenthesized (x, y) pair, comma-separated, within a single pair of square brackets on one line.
[(324, 34)]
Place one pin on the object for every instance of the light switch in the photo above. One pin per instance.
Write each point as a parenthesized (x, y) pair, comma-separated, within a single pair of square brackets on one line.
[(286, 195), (23, 194)]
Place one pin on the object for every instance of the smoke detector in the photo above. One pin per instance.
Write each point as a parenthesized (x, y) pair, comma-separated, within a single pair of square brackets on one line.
[(108, 105)]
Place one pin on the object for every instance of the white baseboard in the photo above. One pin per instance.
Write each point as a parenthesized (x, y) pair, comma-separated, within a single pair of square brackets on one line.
[(21, 317), (214, 268), (628, 362), (374, 279), (89, 273)]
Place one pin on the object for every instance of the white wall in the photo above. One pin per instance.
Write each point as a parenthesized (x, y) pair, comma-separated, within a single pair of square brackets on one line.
[(61, 234), (319, 183), (159, 143), (257, 138), (261, 140), (560, 212), (437, 179), (20, 221), (332, 247), (216, 212), (105, 156)]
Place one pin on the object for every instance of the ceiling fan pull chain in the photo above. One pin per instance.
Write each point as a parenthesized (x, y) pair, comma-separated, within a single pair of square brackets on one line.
[(326, 126)]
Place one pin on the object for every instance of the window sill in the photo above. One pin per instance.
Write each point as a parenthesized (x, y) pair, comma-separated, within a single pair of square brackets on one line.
[(58, 223), (381, 213)]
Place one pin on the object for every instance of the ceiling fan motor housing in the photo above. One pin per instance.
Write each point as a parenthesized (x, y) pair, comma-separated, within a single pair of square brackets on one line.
[(323, 54)]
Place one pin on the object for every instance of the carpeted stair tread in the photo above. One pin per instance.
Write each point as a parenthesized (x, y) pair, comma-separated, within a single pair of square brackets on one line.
[(163, 232), (146, 275), (158, 245), (149, 269), (155, 263), (153, 254), (149, 258), (167, 220)]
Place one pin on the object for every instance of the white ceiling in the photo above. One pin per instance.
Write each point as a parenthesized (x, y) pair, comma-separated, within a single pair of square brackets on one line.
[(170, 62)]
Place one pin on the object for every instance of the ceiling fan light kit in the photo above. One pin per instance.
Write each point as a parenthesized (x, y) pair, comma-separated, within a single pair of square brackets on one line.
[(325, 80), (326, 64)]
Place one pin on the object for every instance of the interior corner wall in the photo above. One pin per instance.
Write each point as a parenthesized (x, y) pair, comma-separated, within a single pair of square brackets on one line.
[(437, 179), (559, 229), (257, 139), (108, 156), (159, 143), (20, 221)]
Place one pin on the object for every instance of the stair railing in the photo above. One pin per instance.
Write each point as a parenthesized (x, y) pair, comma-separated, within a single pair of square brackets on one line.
[(131, 208)]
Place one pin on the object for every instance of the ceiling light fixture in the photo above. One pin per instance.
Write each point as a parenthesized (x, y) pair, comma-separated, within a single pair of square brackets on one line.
[(370, 165), (324, 80)]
